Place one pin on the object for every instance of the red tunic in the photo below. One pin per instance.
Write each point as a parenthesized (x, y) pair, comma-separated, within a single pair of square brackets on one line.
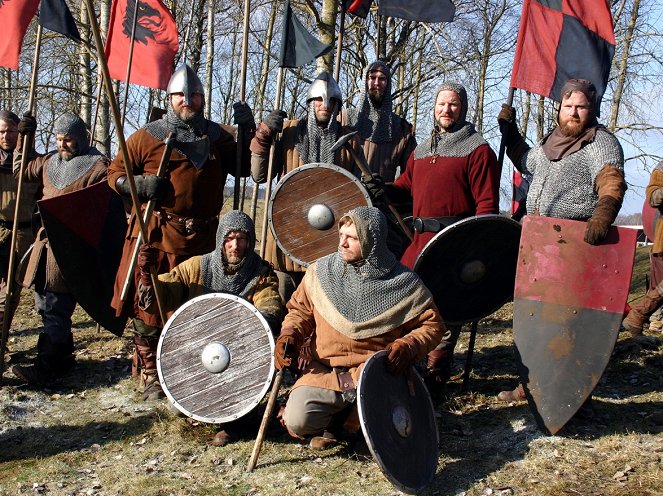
[(450, 187)]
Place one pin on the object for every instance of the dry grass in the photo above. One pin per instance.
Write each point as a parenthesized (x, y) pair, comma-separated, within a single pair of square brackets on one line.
[(90, 434)]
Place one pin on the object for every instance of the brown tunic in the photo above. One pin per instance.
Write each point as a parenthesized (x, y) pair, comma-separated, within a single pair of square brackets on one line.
[(195, 199), (330, 348), (286, 160), (656, 182), (36, 172)]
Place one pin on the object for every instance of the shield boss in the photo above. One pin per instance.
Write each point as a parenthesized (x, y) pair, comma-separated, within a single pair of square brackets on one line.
[(306, 206), (398, 422), (215, 358)]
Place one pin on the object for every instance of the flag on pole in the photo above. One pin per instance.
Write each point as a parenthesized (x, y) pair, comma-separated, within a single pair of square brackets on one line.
[(563, 39), (358, 8), (56, 16), (15, 18), (298, 46), (155, 44), (418, 10)]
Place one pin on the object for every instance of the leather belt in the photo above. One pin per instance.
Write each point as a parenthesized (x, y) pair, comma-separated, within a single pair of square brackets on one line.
[(191, 224), (348, 388), (433, 224)]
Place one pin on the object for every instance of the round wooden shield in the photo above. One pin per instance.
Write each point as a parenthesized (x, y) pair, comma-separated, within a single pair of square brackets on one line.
[(306, 206), (216, 358), (470, 267), (398, 421)]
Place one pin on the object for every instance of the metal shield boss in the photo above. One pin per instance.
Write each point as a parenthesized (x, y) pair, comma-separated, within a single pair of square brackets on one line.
[(215, 358), (568, 306), (470, 267), (306, 206), (398, 422), (86, 230)]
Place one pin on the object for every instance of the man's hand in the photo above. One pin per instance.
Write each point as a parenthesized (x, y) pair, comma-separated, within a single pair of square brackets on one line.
[(148, 259), (287, 348), (507, 115), (243, 116), (375, 186), (274, 121), (400, 356), (147, 187), (599, 223), (28, 124)]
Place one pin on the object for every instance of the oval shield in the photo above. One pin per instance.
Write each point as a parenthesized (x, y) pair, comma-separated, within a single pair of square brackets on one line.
[(470, 267), (306, 205), (216, 358), (398, 422)]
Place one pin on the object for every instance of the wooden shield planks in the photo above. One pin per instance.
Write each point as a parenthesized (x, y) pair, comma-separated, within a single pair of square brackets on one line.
[(228, 395), (293, 197), (398, 422), (568, 305)]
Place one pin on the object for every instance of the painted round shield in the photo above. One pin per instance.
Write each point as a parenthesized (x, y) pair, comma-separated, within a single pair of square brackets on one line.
[(306, 206), (398, 422), (470, 267), (215, 358)]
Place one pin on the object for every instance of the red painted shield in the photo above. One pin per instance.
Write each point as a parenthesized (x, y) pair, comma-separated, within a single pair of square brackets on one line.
[(568, 305), (650, 218)]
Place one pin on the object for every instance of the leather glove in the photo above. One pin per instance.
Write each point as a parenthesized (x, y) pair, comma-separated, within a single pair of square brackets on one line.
[(507, 115), (274, 121), (439, 366), (147, 187), (243, 116), (284, 355), (148, 258), (375, 186), (28, 124), (599, 223), (400, 356), (515, 144)]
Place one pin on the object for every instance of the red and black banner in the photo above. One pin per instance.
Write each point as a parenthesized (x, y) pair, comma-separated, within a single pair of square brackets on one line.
[(155, 44), (358, 8), (563, 39), (15, 17)]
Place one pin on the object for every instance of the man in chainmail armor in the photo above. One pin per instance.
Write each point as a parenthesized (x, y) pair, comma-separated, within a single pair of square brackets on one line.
[(8, 187), (303, 141), (75, 165), (452, 175), (188, 199), (350, 304), (576, 172)]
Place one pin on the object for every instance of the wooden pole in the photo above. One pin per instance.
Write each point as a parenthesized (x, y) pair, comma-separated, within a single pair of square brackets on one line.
[(132, 39), (339, 46), (270, 167), (127, 158), (27, 146), (241, 137)]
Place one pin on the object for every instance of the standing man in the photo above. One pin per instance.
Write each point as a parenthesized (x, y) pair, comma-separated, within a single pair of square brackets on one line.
[(8, 188), (188, 199), (303, 141), (577, 170), (452, 175), (351, 304), (74, 166), (387, 139)]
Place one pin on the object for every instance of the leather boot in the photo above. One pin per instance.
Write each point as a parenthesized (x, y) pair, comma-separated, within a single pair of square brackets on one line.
[(326, 441), (53, 361), (146, 351), (438, 372), (641, 311), (517, 394)]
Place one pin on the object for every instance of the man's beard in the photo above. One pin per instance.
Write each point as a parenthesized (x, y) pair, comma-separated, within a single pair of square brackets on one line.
[(572, 128), (376, 97), (188, 116), (68, 155)]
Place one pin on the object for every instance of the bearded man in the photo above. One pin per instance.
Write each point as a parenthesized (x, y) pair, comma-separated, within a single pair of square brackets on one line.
[(351, 304), (303, 141), (188, 199), (74, 166), (577, 171), (8, 188), (452, 175)]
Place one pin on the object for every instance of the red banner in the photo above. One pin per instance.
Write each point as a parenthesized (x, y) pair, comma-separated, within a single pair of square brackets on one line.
[(155, 45), (15, 17)]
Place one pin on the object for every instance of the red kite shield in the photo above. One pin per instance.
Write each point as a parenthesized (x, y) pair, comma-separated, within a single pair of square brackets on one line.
[(568, 305), (650, 217), (86, 230)]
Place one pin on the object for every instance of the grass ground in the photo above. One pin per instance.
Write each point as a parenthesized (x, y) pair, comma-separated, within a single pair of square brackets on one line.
[(91, 434)]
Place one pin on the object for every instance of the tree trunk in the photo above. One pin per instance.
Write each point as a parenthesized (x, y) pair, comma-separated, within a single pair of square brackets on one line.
[(86, 81), (209, 61), (327, 28), (103, 120)]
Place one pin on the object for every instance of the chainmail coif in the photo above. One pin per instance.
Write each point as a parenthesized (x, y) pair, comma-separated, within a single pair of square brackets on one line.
[(220, 276), (458, 141), (376, 124), (192, 139), (314, 142), (61, 173), (377, 286)]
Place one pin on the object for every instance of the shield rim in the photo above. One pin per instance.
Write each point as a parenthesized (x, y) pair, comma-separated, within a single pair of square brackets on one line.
[(378, 459), (286, 178), (258, 398), (453, 227)]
